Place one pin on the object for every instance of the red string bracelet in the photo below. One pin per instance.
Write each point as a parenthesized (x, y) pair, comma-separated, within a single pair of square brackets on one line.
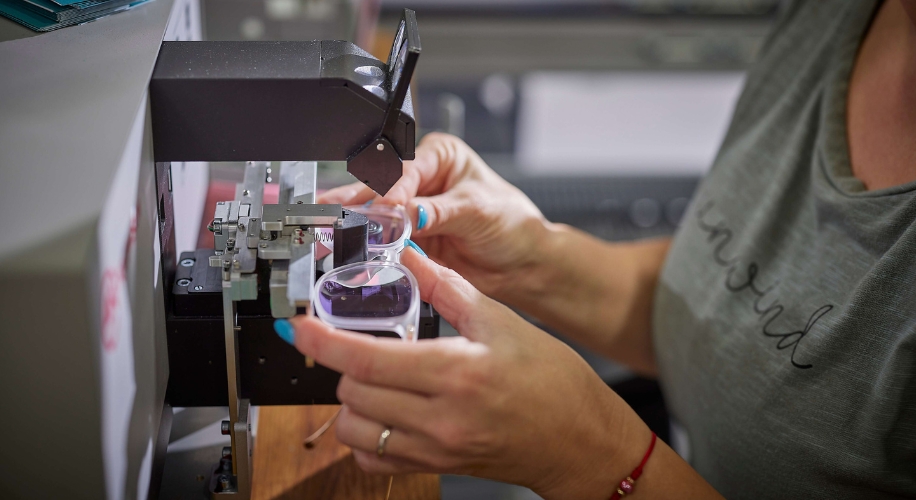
[(626, 486)]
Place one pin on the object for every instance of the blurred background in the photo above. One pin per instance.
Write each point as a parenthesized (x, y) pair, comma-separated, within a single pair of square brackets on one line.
[(605, 112)]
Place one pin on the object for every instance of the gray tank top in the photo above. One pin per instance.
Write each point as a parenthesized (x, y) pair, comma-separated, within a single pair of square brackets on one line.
[(785, 318)]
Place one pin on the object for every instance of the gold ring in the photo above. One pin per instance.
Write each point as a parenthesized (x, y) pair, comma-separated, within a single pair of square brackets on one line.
[(382, 439)]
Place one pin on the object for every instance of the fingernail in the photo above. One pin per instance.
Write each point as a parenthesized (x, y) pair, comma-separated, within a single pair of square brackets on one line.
[(368, 203), (421, 217), (416, 247), (285, 330)]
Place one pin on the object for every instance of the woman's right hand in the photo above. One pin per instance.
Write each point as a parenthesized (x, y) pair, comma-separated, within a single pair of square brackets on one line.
[(466, 217)]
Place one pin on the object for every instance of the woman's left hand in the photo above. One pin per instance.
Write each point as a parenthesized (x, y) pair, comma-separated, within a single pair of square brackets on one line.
[(504, 401)]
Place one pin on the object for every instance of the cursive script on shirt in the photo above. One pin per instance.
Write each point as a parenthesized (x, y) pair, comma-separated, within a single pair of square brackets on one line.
[(720, 235)]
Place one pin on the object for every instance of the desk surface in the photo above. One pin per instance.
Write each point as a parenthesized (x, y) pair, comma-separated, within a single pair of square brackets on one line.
[(284, 469)]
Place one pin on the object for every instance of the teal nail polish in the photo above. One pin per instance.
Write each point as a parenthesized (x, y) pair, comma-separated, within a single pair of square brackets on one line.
[(421, 217), (369, 203), (285, 330), (416, 247)]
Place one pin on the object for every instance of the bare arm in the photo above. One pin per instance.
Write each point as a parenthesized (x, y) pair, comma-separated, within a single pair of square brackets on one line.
[(597, 293)]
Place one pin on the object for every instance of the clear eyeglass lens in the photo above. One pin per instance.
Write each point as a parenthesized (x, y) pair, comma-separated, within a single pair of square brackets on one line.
[(367, 292), (384, 229)]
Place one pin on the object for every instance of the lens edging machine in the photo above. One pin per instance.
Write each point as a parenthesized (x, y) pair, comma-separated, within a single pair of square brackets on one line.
[(286, 101)]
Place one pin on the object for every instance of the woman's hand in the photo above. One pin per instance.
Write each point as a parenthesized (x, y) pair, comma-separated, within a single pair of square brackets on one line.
[(505, 401), (466, 217), (594, 292)]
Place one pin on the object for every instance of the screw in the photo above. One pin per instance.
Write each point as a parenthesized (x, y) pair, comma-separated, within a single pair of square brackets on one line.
[(187, 262), (224, 427), (245, 192), (263, 245), (241, 226), (262, 360), (380, 146), (184, 282), (227, 451), (198, 288), (224, 482)]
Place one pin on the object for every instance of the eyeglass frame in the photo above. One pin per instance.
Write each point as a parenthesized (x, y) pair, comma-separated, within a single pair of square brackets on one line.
[(405, 326), (389, 252)]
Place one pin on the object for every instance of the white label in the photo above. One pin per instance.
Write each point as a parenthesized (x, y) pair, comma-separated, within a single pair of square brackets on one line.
[(117, 232)]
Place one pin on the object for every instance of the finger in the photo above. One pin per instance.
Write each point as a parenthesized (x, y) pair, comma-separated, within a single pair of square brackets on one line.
[(367, 358), (361, 433), (398, 408), (371, 463), (351, 194), (441, 214), (451, 295), (438, 157)]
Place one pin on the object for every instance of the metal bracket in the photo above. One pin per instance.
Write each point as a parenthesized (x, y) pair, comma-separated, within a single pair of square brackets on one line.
[(376, 165)]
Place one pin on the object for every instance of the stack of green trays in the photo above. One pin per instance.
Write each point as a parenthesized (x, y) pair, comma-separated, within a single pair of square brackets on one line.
[(47, 15)]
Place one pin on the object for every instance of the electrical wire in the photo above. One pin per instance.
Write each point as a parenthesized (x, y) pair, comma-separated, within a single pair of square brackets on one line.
[(310, 441)]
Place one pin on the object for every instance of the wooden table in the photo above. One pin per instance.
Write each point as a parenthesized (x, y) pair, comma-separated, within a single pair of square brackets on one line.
[(285, 469)]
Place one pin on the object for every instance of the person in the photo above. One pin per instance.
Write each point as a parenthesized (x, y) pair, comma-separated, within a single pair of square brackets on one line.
[(780, 320)]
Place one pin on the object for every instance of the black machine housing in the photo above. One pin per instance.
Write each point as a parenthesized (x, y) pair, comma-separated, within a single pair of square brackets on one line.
[(272, 371), (297, 101)]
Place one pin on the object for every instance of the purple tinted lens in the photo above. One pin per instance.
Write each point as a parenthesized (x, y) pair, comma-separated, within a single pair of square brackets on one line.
[(370, 301)]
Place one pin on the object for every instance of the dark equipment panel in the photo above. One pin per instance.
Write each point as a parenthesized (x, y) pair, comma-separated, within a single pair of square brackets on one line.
[(238, 101), (272, 371)]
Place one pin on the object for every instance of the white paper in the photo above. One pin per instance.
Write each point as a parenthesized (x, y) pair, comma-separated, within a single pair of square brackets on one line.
[(190, 181), (623, 122), (117, 234), (157, 256)]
